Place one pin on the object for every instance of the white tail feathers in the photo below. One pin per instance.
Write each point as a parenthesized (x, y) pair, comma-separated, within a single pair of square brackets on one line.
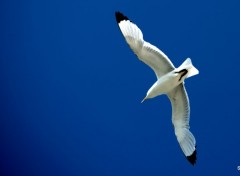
[(187, 64)]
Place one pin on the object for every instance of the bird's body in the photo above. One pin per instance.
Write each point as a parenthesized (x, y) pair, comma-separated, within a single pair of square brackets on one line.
[(170, 81), (163, 85), (166, 83)]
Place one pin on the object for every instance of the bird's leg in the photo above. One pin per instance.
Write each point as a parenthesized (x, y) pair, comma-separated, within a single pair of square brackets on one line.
[(184, 72)]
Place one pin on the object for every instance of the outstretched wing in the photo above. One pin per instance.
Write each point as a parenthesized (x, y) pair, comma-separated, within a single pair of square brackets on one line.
[(180, 119), (146, 52)]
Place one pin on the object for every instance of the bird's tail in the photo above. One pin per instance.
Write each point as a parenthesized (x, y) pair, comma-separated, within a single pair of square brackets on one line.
[(187, 64)]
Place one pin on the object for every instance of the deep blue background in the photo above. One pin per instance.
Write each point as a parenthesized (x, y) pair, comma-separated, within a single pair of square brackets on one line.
[(71, 88)]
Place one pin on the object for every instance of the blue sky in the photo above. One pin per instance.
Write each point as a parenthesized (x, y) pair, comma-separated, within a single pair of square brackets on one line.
[(71, 88)]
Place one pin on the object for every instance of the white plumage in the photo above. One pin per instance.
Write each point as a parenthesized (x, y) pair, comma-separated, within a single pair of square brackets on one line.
[(170, 81)]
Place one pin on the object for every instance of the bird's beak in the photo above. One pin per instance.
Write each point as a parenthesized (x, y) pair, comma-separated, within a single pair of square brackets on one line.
[(143, 99)]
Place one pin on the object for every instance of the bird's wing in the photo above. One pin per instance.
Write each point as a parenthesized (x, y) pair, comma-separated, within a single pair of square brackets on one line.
[(180, 119), (146, 52)]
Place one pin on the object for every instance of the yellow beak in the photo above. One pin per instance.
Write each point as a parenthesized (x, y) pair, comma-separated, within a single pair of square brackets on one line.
[(143, 99)]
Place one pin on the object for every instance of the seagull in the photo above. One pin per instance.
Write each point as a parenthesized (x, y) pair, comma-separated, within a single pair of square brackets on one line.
[(170, 81)]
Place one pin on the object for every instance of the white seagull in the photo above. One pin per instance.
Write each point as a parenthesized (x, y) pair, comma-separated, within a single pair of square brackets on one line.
[(170, 81)]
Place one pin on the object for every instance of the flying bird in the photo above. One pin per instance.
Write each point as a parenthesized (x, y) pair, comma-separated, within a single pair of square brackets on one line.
[(170, 81)]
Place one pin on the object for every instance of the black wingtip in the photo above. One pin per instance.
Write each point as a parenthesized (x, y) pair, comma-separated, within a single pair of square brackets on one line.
[(192, 158), (120, 17)]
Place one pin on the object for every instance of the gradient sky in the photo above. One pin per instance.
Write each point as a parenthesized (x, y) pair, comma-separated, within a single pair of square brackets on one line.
[(71, 88)]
